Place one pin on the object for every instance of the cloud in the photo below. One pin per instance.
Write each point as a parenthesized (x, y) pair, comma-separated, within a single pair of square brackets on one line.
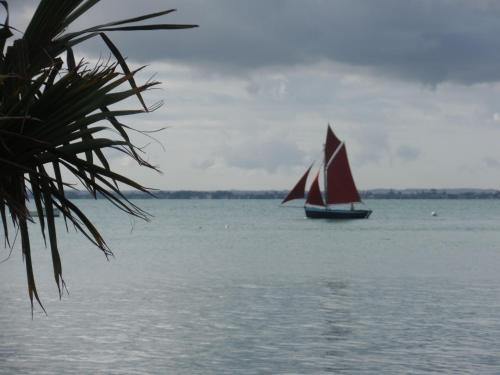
[(428, 41), (258, 76), (203, 163), (269, 155), (253, 88), (375, 141), (491, 162), (407, 153)]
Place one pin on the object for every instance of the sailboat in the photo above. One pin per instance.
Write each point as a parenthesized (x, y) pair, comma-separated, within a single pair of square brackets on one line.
[(339, 186)]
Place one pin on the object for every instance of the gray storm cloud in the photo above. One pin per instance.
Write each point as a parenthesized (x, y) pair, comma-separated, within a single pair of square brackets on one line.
[(429, 41)]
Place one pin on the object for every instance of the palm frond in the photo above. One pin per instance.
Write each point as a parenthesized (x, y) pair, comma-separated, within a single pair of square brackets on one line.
[(57, 115)]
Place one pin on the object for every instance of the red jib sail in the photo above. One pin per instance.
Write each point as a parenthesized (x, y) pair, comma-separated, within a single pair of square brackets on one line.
[(299, 189), (340, 184), (314, 196), (331, 144)]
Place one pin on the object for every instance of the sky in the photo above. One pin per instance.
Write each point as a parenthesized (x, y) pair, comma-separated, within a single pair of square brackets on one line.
[(412, 87)]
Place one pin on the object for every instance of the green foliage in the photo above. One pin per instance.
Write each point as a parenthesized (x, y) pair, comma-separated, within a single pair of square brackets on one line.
[(55, 114)]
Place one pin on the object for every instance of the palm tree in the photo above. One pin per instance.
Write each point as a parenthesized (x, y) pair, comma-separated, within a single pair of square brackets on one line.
[(55, 116)]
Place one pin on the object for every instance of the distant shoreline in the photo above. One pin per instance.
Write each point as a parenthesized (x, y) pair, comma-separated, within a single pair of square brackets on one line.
[(279, 194)]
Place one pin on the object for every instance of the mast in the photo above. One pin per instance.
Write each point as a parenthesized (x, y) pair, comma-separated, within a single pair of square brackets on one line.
[(325, 181)]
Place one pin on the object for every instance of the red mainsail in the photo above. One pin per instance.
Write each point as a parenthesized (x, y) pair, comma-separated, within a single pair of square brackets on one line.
[(340, 184), (314, 195), (331, 144), (299, 189)]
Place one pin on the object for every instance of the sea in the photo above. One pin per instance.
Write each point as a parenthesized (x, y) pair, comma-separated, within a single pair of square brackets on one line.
[(249, 287)]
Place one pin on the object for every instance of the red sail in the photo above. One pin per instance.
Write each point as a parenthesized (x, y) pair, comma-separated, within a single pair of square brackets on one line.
[(331, 144), (314, 195), (299, 189), (341, 187)]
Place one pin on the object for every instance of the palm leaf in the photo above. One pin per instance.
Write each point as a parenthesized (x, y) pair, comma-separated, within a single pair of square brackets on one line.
[(53, 116)]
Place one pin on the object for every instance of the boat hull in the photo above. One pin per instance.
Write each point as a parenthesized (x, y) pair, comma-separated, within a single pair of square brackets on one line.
[(327, 213)]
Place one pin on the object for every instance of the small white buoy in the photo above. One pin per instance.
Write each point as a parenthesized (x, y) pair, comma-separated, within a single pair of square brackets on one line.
[(434, 213), (226, 226)]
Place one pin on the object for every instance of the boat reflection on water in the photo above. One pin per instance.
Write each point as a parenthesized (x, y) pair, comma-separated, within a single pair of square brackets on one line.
[(336, 308)]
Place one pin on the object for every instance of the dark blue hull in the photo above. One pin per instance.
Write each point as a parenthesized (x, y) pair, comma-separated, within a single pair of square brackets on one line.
[(327, 213)]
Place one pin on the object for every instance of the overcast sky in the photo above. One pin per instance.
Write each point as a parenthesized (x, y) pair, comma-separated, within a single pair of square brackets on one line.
[(412, 87)]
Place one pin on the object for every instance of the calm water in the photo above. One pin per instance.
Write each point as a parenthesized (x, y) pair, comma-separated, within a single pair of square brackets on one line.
[(246, 287)]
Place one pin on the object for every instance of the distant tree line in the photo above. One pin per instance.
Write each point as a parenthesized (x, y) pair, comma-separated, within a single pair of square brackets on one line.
[(279, 194)]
